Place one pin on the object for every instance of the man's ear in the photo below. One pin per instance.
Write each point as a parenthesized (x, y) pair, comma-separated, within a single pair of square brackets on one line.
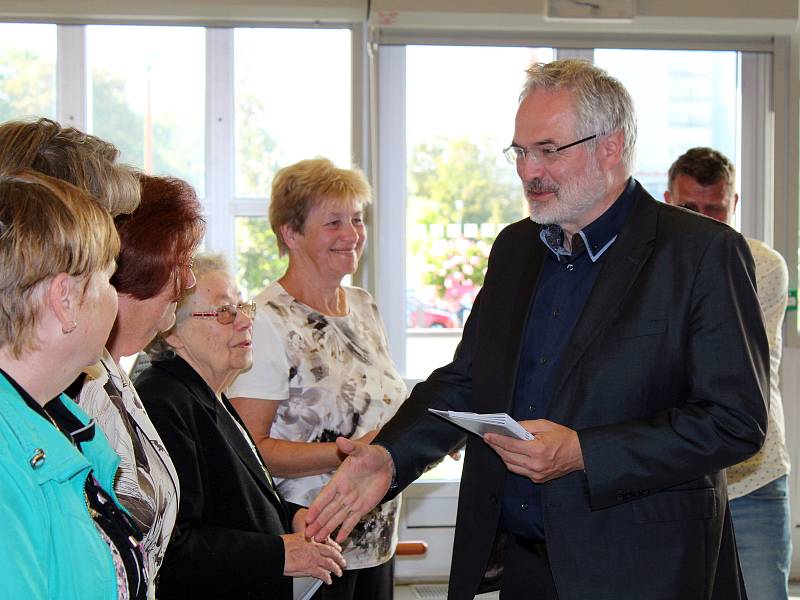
[(666, 196), (63, 298), (611, 148), (735, 200)]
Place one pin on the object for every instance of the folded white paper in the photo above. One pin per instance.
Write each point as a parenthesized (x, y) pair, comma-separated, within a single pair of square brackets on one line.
[(304, 587), (485, 423)]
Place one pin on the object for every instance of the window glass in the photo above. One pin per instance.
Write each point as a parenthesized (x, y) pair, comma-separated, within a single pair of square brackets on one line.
[(449, 469), (292, 101), (257, 260), (460, 103), (147, 96), (292, 89), (683, 99), (27, 71)]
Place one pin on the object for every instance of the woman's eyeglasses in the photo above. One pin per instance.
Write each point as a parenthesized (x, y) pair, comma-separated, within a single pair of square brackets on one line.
[(226, 314)]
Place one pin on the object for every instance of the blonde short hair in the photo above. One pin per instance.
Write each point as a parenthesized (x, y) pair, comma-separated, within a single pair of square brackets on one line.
[(68, 154), (47, 227), (296, 189)]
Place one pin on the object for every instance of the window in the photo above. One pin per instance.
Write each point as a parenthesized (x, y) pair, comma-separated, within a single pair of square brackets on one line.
[(456, 113), (292, 90), (683, 99), (278, 95), (292, 101), (147, 96), (27, 71), (460, 105), (257, 257)]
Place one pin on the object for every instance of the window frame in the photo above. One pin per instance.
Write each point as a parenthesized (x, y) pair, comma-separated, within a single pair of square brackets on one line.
[(220, 205), (756, 159)]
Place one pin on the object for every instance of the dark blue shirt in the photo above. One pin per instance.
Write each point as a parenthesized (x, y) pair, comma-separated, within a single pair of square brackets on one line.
[(565, 282)]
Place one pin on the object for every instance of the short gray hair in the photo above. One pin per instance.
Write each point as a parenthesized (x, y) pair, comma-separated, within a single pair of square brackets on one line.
[(204, 263), (602, 102)]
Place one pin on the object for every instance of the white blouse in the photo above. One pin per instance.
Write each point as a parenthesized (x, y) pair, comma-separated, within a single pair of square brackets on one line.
[(333, 377)]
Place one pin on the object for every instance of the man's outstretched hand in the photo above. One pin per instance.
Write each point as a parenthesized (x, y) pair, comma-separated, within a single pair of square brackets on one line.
[(358, 485)]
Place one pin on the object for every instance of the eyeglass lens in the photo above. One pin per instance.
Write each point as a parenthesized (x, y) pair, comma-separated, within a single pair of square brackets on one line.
[(227, 314)]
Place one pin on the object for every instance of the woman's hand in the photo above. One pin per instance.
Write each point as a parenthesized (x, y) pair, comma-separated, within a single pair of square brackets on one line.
[(304, 557), (299, 520)]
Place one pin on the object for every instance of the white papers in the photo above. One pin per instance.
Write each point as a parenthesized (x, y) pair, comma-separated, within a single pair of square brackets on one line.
[(485, 423), (304, 587)]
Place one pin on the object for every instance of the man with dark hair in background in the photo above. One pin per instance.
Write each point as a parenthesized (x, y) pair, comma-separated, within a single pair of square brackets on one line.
[(704, 180)]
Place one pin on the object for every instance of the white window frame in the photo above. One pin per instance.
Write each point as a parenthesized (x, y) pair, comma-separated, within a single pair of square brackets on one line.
[(220, 206), (756, 165)]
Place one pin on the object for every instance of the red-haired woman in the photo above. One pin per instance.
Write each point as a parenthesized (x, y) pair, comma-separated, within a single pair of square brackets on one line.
[(158, 240)]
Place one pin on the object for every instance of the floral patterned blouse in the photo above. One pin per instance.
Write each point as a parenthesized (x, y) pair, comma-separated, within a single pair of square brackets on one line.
[(333, 377)]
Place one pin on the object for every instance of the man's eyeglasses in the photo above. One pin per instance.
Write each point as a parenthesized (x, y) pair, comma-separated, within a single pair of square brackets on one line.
[(545, 154), (226, 314)]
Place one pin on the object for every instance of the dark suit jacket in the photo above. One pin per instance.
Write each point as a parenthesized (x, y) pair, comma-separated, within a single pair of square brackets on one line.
[(665, 380), (226, 542)]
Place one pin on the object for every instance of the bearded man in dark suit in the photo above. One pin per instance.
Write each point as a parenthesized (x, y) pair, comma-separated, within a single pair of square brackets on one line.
[(626, 336)]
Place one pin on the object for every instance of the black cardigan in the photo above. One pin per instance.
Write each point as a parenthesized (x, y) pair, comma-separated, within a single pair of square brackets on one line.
[(226, 541)]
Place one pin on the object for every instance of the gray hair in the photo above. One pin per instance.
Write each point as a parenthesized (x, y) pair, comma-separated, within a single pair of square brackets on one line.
[(602, 102), (204, 263)]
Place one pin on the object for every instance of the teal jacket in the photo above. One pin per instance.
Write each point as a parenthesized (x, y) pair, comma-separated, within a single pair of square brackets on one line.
[(49, 545)]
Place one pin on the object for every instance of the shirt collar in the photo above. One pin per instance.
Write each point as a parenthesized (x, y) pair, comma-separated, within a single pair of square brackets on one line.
[(59, 415), (597, 236)]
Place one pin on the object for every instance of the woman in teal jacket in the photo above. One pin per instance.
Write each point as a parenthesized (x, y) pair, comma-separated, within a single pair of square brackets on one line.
[(64, 535)]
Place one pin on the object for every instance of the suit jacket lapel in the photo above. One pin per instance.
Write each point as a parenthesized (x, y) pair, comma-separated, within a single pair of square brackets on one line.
[(247, 450), (621, 266), (208, 400), (242, 448), (533, 254)]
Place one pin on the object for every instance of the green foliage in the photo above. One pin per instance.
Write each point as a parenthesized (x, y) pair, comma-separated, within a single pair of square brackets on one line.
[(114, 118), (457, 181), (257, 159), (257, 260), (27, 86)]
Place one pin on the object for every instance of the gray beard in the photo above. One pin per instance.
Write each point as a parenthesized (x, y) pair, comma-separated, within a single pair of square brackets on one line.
[(572, 199)]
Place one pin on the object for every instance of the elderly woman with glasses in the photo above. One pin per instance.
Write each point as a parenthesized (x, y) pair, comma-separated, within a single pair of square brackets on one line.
[(64, 534), (321, 367), (231, 537)]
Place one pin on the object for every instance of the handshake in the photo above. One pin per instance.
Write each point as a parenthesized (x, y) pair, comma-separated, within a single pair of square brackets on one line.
[(356, 488)]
